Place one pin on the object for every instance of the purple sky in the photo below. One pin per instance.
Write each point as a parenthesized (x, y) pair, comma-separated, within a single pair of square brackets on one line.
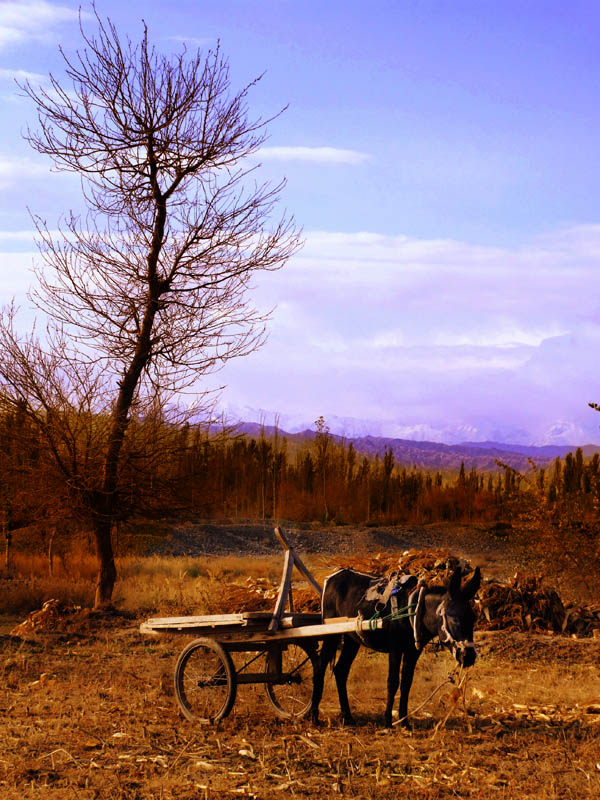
[(442, 159)]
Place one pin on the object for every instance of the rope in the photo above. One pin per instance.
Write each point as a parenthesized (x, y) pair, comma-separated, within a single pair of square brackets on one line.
[(374, 619), (406, 612), (449, 679), (461, 691)]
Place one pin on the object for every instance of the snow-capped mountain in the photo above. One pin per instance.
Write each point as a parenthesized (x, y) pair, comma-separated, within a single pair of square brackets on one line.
[(560, 433)]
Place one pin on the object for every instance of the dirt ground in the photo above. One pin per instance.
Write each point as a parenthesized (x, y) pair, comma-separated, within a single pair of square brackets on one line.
[(92, 716), (88, 712), (256, 538)]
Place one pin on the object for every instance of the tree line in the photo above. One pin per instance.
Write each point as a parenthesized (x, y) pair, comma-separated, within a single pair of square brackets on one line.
[(327, 480), (178, 468)]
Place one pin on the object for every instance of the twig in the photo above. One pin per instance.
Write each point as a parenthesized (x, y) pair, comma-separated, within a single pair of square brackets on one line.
[(61, 750), (186, 747), (460, 689), (449, 679)]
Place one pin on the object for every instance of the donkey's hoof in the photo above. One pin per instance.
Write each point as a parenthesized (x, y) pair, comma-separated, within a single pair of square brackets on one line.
[(348, 721)]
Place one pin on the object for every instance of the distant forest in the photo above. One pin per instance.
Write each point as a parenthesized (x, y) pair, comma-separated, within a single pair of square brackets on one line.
[(181, 469)]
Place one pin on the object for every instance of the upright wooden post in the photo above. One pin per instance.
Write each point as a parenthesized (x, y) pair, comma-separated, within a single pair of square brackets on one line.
[(284, 589), (284, 594), (51, 551), (299, 563)]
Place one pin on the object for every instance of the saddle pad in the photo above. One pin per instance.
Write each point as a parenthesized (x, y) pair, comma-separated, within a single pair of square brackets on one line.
[(381, 589)]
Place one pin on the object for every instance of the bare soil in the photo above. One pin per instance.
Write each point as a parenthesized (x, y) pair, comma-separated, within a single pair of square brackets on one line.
[(479, 543), (93, 716), (88, 712)]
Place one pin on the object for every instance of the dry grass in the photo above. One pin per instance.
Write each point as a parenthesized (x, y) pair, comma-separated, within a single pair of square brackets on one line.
[(90, 714), (95, 717), (146, 585)]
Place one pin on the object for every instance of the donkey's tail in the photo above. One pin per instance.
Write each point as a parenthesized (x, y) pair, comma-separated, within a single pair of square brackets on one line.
[(328, 651)]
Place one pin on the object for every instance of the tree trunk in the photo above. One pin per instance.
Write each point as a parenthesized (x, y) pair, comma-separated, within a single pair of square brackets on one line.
[(51, 552), (325, 507), (7, 562), (107, 573), (120, 420)]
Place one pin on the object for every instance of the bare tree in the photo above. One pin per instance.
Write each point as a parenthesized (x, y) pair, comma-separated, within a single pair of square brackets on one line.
[(149, 291), (322, 444)]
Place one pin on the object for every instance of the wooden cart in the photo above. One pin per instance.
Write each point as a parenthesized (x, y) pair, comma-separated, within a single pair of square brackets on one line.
[(206, 679)]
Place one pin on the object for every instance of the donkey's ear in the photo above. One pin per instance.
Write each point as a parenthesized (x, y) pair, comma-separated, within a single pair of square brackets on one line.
[(473, 585), (454, 587)]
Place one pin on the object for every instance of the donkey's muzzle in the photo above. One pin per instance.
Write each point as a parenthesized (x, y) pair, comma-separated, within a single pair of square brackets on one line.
[(465, 653)]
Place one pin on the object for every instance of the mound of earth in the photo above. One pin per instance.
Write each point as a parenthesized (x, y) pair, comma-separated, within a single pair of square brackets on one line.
[(522, 603), (251, 538), (519, 647), (58, 617)]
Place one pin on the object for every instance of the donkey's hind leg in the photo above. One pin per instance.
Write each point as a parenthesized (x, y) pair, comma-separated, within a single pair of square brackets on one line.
[(341, 671), (409, 661), (393, 681), (326, 656)]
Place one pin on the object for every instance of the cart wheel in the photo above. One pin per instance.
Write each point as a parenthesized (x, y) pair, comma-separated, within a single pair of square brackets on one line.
[(291, 698), (205, 681)]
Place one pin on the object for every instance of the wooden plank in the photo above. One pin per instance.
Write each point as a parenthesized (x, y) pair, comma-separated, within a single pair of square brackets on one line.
[(284, 589), (216, 620), (211, 620), (316, 631), (298, 562), (223, 622), (148, 629), (248, 636), (299, 618), (282, 539)]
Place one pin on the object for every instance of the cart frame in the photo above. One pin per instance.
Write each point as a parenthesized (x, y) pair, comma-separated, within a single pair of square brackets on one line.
[(206, 678)]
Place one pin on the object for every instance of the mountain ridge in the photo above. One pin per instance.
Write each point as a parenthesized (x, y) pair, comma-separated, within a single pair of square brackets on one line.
[(435, 455), (560, 432)]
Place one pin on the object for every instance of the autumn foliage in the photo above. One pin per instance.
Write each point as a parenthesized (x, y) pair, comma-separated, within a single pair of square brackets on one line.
[(173, 468)]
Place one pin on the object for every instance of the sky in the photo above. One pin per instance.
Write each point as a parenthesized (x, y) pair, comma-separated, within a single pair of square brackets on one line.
[(442, 160)]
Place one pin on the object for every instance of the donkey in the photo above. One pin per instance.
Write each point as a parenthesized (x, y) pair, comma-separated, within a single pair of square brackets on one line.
[(441, 612)]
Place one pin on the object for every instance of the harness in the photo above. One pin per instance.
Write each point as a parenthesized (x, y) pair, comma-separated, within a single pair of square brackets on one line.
[(391, 589), (417, 601), (414, 610), (454, 644), (386, 589)]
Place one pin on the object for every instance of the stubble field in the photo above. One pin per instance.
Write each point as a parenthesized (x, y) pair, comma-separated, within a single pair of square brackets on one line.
[(89, 712)]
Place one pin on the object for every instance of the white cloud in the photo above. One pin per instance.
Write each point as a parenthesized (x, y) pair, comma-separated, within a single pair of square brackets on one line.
[(502, 334), (17, 236), (432, 332), (27, 20), (316, 155), (448, 277), (21, 75), (438, 333), (389, 338), (16, 275), (195, 41), (16, 168)]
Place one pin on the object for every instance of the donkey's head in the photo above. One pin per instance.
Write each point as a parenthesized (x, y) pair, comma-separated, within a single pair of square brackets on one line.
[(455, 617)]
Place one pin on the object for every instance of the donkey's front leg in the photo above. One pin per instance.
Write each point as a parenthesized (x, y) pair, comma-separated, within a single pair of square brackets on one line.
[(341, 671), (393, 682), (409, 661)]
